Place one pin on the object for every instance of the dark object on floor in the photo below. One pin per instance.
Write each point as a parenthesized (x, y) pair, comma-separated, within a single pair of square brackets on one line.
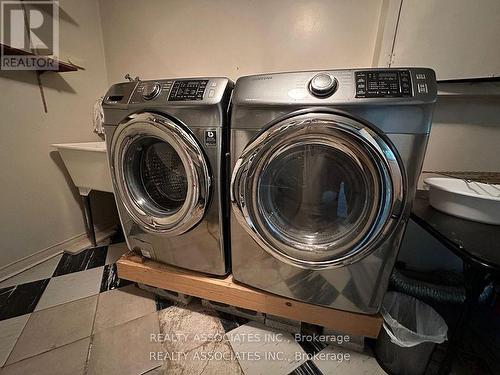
[(476, 244)]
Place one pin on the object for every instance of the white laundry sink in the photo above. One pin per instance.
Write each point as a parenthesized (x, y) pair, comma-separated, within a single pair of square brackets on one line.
[(87, 164), (465, 199)]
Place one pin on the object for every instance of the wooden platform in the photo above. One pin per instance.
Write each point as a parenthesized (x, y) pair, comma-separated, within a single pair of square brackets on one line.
[(224, 290)]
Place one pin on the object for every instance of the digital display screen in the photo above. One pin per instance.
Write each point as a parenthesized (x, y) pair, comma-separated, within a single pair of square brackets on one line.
[(380, 84), (188, 90), (388, 76)]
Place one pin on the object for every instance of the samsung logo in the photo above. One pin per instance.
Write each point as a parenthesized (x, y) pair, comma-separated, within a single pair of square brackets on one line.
[(262, 78)]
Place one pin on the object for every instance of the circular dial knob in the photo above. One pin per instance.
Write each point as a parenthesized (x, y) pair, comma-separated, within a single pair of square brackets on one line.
[(322, 85), (151, 90)]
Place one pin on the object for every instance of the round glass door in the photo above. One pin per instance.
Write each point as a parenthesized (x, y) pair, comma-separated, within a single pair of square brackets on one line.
[(317, 190), (161, 174), (155, 175)]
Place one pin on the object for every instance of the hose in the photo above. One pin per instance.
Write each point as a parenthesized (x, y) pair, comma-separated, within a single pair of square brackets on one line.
[(435, 292), (426, 290)]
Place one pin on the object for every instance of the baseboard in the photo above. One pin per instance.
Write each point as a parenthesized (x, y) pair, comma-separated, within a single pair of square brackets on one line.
[(72, 245)]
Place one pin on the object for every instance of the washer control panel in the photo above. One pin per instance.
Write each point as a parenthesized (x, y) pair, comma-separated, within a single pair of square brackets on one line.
[(188, 90), (383, 84), (177, 90)]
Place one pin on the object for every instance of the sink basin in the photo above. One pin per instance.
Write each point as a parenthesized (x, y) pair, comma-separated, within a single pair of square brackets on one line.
[(87, 164), (465, 199)]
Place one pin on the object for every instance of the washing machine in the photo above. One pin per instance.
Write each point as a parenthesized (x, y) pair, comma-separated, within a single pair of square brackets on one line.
[(167, 148), (325, 167)]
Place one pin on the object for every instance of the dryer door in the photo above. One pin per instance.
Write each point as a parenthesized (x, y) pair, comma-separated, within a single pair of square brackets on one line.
[(160, 173), (318, 190)]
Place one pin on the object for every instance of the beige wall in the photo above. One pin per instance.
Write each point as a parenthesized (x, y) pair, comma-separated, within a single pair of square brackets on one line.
[(40, 207), (157, 38), (465, 135)]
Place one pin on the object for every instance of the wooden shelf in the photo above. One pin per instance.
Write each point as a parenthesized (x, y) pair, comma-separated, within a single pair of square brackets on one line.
[(224, 290), (62, 66)]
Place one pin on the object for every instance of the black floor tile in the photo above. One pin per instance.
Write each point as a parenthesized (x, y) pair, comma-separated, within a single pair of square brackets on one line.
[(110, 279), (85, 260), (21, 299), (307, 368)]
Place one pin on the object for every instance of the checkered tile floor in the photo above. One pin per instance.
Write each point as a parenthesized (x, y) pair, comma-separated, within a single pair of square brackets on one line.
[(92, 271), (75, 306)]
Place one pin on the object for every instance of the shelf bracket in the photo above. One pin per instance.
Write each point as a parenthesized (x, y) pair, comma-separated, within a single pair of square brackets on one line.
[(40, 86)]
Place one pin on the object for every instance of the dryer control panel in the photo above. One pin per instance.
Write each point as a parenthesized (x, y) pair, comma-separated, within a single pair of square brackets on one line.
[(383, 84)]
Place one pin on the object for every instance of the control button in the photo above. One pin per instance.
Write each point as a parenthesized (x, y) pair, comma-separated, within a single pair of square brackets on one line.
[(420, 76), (322, 85), (213, 84), (422, 88), (151, 90), (211, 93)]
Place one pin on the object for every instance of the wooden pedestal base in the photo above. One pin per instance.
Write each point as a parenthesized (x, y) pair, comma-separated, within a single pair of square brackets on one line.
[(224, 290)]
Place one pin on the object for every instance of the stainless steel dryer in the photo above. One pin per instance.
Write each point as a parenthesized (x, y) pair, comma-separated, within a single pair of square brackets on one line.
[(325, 170), (167, 143)]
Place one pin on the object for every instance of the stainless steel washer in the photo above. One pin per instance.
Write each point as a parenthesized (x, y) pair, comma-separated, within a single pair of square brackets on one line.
[(325, 166), (167, 148)]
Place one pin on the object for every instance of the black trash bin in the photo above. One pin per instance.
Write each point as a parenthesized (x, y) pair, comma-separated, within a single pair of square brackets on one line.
[(410, 332)]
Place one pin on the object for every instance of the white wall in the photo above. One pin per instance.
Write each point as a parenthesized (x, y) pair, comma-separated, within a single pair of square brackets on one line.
[(157, 39), (40, 207)]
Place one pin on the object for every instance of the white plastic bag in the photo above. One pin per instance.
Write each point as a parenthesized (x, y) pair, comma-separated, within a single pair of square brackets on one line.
[(409, 322)]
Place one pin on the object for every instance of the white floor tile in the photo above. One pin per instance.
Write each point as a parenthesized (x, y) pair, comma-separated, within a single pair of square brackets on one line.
[(121, 305), (71, 287), (263, 350), (55, 327), (41, 271), (67, 359), (125, 349), (337, 360), (10, 330), (115, 251)]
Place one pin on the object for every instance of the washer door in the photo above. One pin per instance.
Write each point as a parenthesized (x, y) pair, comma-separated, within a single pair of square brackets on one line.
[(160, 172), (318, 190)]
